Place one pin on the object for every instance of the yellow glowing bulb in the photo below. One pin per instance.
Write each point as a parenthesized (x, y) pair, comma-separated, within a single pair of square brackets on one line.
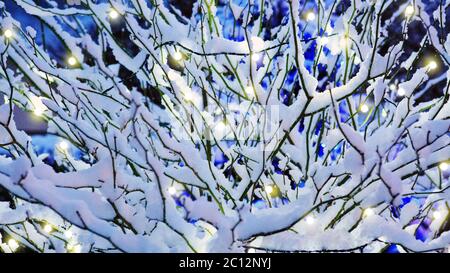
[(401, 92), (432, 65), (177, 56), (368, 212), (384, 113), (8, 33), (113, 14), (443, 166), (409, 11), (39, 107), (249, 91), (364, 108), (437, 215), (13, 244), (72, 61), (172, 190), (310, 220), (63, 145), (68, 234), (310, 16), (269, 189), (48, 228), (74, 248), (393, 87)]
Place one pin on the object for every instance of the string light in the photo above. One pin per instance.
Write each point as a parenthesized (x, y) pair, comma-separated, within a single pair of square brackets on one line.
[(8, 33), (48, 228), (188, 95), (392, 87), (384, 113), (72, 61), (68, 234), (310, 220), (177, 56), (256, 57), (344, 42), (39, 107), (172, 190), (364, 108), (310, 16), (63, 145), (13, 245), (113, 14), (249, 91), (432, 65), (269, 189), (401, 92), (437, 215), (368, 212), (409, 11), (74, 248), (443, 166)]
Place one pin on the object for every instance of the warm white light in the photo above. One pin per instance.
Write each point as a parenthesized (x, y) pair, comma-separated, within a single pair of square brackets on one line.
[(256, 57), (401, 92), (188, 95), (443, 166), (251, 250), (39, 107), (74, 248), (177, 56), (220, 127), (310, 16), (6, 99), (68, 234), (269, 189), (310, 220), (322, 40), (364, 108), (409, 11), (113, 14), (249, 91), (172, 190), (437, 215), (8, 33), (63, 145), (368, 212), (48, 228), (432, 65), (392, 87), (72, 61), (13, 244), (384, 113)]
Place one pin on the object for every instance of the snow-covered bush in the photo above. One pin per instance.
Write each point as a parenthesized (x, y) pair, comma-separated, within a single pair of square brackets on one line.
[(227, 126)]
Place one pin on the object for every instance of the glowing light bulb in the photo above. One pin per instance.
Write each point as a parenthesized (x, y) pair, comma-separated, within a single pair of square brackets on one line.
[(249, 91), (68, 234), (364, 108), (48, 228), (177, 56), (256, 57), (432, 65), (39, 107), (368, 212), (443, 166), (322, 40), (220, 127), (188, 95), (392, 87), (310, 220), (72, 61), (8, 33), (437, 215), (74, 248), (401, 92), (13, 244), (409, 11), (63, 145), (6, 99), (269, 189), (310, 16), (172, 190), (384, 113), (113, 14)]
